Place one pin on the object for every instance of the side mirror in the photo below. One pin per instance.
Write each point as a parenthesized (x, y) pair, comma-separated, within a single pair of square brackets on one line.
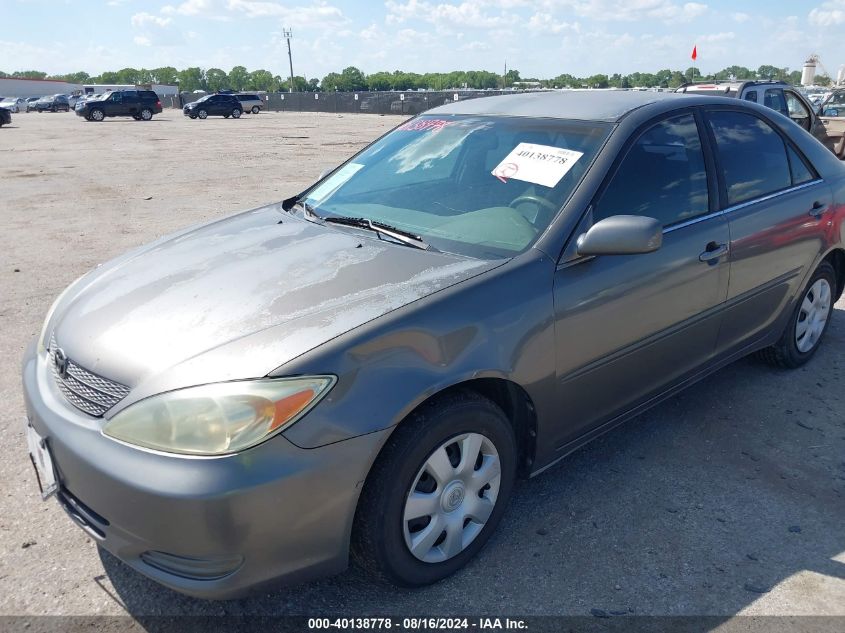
[(621, 235), (325, 173), (830, 112)]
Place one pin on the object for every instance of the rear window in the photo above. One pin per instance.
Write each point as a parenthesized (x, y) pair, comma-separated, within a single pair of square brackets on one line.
[(148, 94), (247, 97)]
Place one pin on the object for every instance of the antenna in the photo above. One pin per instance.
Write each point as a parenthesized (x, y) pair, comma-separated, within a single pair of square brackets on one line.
[(288, 34)]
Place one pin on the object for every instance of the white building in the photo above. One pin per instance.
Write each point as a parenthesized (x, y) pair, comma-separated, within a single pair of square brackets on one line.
[(162, 90), (24, 88)]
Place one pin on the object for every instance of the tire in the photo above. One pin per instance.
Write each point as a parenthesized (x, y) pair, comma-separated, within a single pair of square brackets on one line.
[(225, 116), (193, 116), (202, 114), (382, 538), (136, 117), (146, 114), (53, 109), (236, 113), (256, 109), (808, 322), (98, 115)]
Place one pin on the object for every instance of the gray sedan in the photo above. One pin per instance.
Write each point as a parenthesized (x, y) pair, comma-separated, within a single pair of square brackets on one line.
[(366, 367)]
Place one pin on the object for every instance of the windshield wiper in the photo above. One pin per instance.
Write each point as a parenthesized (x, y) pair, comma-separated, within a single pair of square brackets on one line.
[(405, 237)]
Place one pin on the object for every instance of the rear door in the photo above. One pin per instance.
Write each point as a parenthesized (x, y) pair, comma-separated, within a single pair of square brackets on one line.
[(777, 207), (628, 326), (130, 103)]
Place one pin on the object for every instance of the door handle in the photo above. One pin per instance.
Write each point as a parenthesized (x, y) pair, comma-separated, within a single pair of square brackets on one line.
[(818, 209), (713, 252)]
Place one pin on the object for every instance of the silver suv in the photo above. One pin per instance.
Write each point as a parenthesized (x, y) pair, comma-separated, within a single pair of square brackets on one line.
[(776, 95), (251, 102)]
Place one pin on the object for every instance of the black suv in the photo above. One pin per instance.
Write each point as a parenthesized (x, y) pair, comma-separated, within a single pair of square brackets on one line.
[(776, 95), (52, 103), (141, 105), (214, 105)]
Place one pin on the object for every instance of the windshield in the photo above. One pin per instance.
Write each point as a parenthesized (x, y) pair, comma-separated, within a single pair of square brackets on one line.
[(205, 98), (479, 186)]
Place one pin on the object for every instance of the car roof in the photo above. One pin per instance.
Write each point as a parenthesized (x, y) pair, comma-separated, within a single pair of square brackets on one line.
[(586, 105)]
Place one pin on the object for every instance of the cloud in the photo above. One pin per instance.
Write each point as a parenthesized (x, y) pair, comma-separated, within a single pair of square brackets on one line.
[(740, 17), (631, 10), (546, 23), (828, 14), (470, 13), (142, 20), (317, 14), (140, 40), (192, 7)]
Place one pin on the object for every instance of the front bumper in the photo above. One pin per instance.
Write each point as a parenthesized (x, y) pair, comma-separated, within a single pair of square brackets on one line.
[(189, 111), (207, 527)]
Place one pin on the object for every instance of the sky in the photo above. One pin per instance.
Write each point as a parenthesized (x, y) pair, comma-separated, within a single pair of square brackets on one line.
[(540, 38)]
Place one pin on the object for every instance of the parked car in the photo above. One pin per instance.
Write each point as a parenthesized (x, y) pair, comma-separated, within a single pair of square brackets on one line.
[(832, 115), (367, 366), (214, 105), (5, 117), (30, 103), (776, 95), (141, 105), (13, 104), (250, 102), (52, 103)]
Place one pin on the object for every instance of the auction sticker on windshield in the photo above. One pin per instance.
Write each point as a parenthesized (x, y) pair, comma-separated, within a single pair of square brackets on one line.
[(539, 164)]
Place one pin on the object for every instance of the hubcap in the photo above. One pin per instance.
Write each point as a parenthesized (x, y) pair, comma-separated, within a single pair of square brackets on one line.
[(452, 498), (97, 115), (146, 115), (812, 317)]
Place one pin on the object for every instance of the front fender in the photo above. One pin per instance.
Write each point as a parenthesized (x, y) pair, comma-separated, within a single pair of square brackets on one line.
[(497, 325)]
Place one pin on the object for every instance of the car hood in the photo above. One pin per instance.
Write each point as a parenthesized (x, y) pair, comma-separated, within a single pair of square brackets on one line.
[(239, 297)]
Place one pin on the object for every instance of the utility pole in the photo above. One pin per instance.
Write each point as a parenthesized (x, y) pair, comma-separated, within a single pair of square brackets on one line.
[(287, 33)]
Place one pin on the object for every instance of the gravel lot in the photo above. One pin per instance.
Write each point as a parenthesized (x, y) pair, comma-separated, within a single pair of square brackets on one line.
[(728, 499)]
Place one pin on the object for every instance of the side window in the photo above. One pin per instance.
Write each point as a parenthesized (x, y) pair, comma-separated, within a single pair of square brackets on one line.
[(798, 168), (752, 155), (115, 96), (774, 99), (751, 95), (130, 95), (662, 176)]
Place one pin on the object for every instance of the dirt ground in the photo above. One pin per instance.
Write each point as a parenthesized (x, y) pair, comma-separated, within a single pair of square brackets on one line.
[(728, 499)]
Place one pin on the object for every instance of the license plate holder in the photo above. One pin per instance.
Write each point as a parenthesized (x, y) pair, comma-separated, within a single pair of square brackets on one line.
[(42, 462)]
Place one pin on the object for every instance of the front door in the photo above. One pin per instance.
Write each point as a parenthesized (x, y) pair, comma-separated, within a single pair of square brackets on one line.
[(629, 325)]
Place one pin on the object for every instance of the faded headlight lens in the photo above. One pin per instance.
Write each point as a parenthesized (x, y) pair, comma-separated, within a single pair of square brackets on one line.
[(219, 418)]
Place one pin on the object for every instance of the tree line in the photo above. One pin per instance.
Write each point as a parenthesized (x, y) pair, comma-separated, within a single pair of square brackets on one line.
[(353, 79)]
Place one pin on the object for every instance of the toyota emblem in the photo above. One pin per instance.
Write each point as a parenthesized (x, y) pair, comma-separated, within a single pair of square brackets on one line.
[(60, 360)]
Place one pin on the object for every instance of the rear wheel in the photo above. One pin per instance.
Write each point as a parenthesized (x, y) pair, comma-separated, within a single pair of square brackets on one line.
[(436, 492), (256, 109), (808, 322), (236, 113), (202, 114), (146, 114)]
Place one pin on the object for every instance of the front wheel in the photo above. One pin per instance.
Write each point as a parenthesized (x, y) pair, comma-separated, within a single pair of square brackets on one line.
[(236, 114), (808, 322), (202, 114), (97, 115), (436, 492)]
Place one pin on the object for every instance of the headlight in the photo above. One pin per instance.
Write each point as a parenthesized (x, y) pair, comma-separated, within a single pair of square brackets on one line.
[(219, 418), (41, 339)]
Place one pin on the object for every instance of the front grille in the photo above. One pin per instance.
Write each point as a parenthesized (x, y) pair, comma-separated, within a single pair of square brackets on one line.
[(86, 391)]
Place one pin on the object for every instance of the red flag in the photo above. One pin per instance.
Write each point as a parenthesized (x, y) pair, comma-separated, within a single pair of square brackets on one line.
[(694, 53)]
